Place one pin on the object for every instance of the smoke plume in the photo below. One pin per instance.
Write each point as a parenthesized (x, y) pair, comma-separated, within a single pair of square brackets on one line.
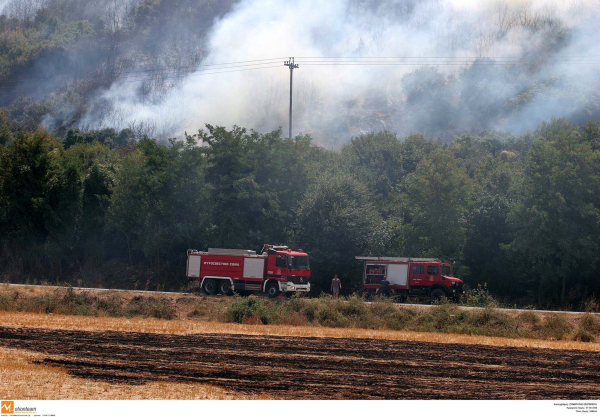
[(523, 62)]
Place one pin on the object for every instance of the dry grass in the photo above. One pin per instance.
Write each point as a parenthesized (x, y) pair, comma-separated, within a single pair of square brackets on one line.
[(352, 313), (54, 321), (20, 378)]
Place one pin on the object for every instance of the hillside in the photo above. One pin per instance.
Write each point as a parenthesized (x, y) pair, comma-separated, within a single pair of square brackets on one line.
[(153, 66)]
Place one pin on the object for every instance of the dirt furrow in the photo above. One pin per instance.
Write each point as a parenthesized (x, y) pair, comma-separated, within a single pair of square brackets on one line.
[(312, 367)]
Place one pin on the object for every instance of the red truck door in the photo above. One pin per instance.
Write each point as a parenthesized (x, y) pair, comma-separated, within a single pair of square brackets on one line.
[(433, 273), (418, 275), (277, 265)]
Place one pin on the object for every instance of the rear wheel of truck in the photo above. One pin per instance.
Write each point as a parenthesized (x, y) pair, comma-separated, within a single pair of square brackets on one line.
[(225, 287), (401, 298), (437, 294), (273, 290), (209, 287)]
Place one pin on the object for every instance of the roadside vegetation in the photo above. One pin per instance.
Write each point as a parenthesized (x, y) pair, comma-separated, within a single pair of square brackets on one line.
[(351, 312), (86, 304), (381, 313)]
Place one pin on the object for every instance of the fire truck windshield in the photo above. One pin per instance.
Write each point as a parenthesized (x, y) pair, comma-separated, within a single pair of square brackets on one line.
[(446, 270), (298, 262)]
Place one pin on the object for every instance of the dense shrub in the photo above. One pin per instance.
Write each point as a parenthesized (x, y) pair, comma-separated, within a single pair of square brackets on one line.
[(244, 309)]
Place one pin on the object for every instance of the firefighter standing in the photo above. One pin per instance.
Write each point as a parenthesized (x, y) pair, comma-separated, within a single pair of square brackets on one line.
[(385, 287), (336, 285)]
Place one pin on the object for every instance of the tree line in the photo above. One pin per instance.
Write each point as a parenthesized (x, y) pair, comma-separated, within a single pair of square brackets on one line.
[(520, 213)]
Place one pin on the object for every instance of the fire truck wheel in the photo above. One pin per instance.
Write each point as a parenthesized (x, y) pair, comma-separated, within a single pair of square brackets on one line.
[(437, 294), (225, 287), (209, 287), (273, 290)]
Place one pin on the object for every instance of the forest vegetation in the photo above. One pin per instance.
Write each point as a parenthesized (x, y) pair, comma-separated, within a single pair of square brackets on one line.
[(97, 208)]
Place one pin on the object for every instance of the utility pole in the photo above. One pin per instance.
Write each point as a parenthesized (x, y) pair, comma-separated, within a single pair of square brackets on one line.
[(290, 64)]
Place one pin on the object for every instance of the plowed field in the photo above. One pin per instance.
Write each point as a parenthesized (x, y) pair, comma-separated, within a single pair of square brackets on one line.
[(315, 367)]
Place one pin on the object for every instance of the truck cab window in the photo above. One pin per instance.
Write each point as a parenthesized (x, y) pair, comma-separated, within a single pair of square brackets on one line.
[(433, 270), (299, 262), (280, 261), (418, 269)]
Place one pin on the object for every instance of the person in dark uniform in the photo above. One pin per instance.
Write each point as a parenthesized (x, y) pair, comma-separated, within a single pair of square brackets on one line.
[(385, 287)]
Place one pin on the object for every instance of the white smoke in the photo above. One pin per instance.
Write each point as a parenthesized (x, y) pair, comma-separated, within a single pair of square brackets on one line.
[(334, 102)]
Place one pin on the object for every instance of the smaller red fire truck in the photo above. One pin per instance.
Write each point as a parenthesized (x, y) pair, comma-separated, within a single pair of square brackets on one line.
[(277, 269), (411, 276)]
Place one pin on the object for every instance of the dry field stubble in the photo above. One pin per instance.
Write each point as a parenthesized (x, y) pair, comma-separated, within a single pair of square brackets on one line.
[(186, 327), (23, 377), (56, 356), (89, 354)]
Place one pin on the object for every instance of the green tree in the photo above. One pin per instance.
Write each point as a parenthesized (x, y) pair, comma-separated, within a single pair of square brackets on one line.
[(438, 198), (336, 221), (377, 159), (488, 230), (557, 218), (40, 195)]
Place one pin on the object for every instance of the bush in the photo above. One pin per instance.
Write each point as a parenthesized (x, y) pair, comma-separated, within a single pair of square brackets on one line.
[(7, 303), (529, 317), (592, 305), (583, 335), (244, 309), (159, 308), (297, 303), (398, 319), (354, 309), (478, 297), (111, 306), (310, 312), (488, 317), (556, 327), (332, 317), (40, 304), (78, 304), (589, 323)]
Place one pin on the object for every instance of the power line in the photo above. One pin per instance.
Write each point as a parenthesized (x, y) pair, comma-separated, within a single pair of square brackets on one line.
[(434, 57), (420, 64), (141, 78), (136, 75), (202, 72), (200, 67), (437, 61)]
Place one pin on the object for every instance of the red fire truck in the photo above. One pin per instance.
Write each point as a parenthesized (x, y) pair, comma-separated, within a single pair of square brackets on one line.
[(277, 269), (411, 276)]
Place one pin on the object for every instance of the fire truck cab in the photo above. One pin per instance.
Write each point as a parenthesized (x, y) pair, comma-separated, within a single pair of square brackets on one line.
[(277, 269), (411, 276)]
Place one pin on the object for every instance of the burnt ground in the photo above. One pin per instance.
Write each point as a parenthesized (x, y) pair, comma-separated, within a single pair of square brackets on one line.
[(317, 368)]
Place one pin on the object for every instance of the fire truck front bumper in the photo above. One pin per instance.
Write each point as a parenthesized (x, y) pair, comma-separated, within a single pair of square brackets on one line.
[(456, 290), (291, 287)]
